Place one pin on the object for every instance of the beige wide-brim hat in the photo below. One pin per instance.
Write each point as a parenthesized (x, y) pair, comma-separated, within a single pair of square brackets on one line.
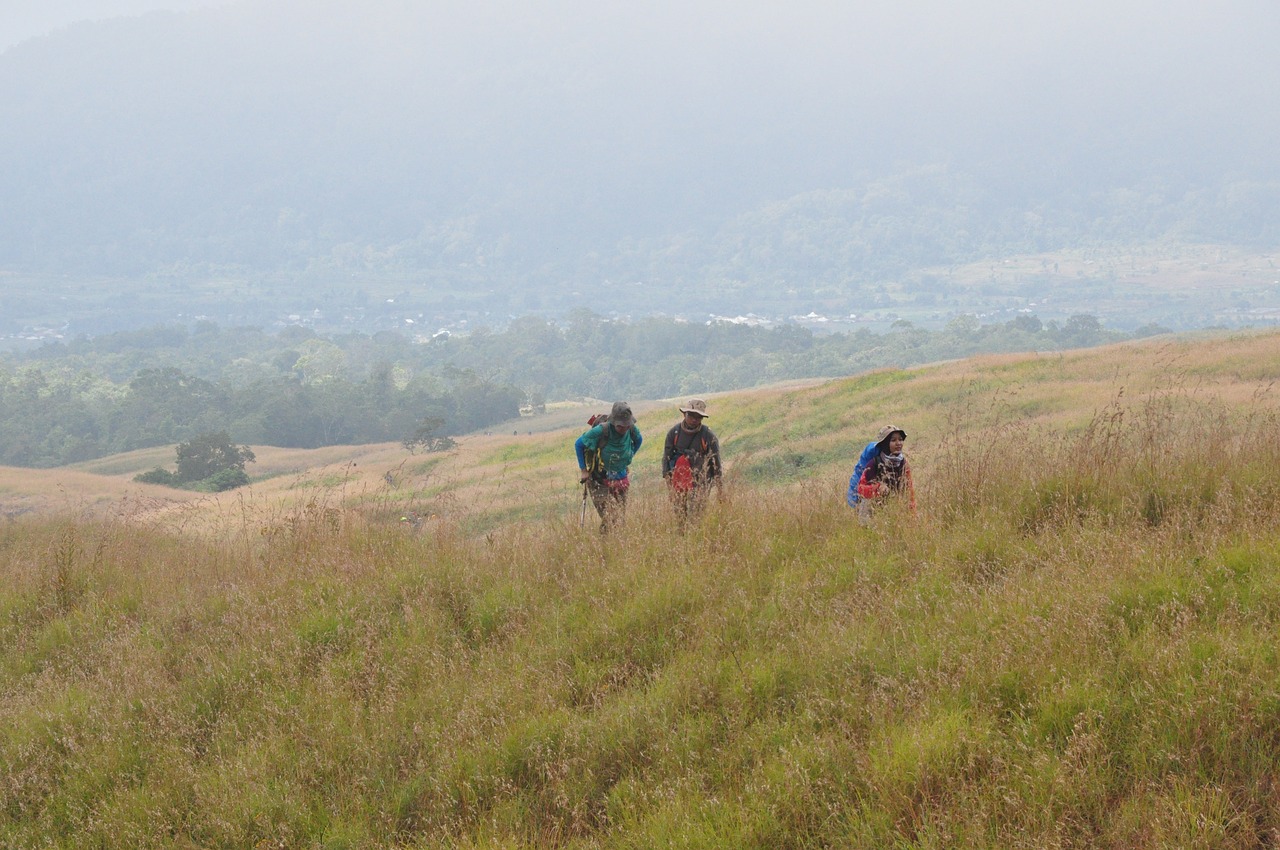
[(887, 430), (698, 406)]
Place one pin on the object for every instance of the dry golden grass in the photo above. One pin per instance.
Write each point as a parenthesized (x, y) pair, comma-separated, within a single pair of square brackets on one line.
[(798, 431), (1071, 645), (38, 491)]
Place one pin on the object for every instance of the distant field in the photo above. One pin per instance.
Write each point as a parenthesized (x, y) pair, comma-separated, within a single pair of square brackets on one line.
[(1183, 286), (1171, 270), (1174, 285)]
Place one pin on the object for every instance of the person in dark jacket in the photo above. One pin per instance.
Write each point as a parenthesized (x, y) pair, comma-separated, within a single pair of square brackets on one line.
[(604, 454), (691, 460), (887, 474)]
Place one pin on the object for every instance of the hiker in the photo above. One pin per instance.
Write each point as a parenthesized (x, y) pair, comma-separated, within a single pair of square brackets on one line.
[(691, 461), (882, 472), (604, 454)]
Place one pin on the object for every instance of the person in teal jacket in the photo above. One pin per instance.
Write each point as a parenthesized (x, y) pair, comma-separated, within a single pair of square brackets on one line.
[(604, 455)]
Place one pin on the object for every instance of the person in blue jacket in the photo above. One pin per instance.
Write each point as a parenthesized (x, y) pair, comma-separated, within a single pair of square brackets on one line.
[(873, 448), (604, 457)]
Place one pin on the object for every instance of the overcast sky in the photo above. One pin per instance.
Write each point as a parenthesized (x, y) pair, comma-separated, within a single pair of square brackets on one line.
[(923, 74), (634, 118), (24, 19)]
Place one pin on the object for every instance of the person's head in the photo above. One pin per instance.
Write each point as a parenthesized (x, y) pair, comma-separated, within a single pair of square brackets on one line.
[(891, 439), (694, 412), (620, 417)]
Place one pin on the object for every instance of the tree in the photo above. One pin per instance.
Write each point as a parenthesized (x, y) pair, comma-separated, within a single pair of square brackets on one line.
[(162, 405), (1082, 329), (1027, 323), (209, 454), (1082, 324), (320, 361), (965, 326), (426, 438)]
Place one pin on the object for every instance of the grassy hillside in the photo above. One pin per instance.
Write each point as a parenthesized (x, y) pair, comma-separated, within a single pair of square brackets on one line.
[(1071, 644)]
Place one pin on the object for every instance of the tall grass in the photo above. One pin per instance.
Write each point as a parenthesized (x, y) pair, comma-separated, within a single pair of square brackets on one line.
[(1072, 644)]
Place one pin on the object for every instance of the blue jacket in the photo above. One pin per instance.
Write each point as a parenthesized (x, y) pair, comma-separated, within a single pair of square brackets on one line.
[(617, 451), (868, 454)]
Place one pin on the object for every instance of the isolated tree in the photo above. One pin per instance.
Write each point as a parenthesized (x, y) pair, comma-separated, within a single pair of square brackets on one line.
[(209, 454), (427, 437)]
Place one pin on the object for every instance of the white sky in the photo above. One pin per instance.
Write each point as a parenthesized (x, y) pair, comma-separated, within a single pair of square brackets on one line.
[(912, 79)]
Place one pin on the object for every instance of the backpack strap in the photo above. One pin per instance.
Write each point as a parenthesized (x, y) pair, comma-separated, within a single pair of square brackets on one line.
[(605, 428), (698, 437), (593, 456)]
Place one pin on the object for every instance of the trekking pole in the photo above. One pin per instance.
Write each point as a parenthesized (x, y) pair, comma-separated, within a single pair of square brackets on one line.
[(582, 520)]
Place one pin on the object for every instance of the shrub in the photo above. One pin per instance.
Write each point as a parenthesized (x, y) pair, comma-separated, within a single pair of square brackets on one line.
[(157, 476), (227, 479)]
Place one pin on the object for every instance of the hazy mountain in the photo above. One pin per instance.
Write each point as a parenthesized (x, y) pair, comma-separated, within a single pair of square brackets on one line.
[(24, 19), (557, 144)]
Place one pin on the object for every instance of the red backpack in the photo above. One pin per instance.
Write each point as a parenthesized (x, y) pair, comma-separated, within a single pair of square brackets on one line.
[(682, 475)]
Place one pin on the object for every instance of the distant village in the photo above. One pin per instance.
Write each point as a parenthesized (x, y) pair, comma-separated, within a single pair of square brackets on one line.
[(424, 327)]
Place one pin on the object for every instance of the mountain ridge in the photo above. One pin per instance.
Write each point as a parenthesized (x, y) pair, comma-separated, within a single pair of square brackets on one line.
[(540, 155)]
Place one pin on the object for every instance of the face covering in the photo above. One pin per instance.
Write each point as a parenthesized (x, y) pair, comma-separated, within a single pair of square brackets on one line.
[(892, 462)]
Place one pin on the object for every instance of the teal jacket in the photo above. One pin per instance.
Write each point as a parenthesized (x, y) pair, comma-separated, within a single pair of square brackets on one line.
[(617, 451)]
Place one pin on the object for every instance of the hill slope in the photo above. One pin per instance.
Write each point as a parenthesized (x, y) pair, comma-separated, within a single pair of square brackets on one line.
[(1072, 644), (788, 433)]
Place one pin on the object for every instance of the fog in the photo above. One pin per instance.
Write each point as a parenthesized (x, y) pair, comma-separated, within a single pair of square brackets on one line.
[(548, 136), (906, 79), (25, 19)]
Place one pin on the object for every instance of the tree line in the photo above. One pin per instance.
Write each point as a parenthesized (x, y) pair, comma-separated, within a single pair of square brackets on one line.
[(53, 418), (92, 397)]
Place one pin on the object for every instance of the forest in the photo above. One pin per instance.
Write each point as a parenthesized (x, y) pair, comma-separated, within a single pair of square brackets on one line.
[(92, 397), (917, 243)]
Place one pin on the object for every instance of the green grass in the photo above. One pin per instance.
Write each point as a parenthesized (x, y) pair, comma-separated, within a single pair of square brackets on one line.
[(424, 466), (1071, 645), (537, 454), (131, 462)]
